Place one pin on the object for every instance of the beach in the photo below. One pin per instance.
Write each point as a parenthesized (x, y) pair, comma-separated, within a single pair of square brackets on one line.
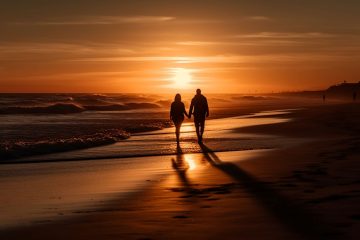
[(176, 119), (285, 174)]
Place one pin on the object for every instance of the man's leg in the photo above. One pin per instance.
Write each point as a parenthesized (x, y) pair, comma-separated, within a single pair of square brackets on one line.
[(197, 126), (202, 125), (201, 130)]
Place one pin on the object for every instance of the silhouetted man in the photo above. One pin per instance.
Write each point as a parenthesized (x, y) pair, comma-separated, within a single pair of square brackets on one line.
[(200, 109)]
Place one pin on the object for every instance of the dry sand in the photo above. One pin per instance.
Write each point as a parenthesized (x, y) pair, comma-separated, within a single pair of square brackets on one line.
[(308, 191)]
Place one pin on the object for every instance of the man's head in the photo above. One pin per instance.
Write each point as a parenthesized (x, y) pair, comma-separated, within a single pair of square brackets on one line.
[(198, 91)]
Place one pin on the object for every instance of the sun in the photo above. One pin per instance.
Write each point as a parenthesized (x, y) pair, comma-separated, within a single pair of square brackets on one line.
[(181, 77)]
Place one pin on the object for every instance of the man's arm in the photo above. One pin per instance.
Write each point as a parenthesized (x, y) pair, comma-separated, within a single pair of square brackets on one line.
[(207, 108), (191, 108)]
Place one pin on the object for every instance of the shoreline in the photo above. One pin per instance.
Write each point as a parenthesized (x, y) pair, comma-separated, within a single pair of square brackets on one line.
[(112, 133), (120, 148)]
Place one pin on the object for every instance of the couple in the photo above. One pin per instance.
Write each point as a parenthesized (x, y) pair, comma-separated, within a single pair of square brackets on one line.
[(199, 108)]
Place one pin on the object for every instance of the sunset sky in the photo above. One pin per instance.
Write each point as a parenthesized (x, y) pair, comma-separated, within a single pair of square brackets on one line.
[(149, 46)]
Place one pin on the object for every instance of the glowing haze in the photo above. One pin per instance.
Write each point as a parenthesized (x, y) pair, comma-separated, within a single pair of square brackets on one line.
[(177, 45)]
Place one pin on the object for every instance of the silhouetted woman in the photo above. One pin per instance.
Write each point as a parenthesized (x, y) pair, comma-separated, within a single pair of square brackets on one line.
[(177, 114)]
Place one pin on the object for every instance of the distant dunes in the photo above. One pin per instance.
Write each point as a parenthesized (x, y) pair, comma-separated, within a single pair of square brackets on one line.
[(344, 90)]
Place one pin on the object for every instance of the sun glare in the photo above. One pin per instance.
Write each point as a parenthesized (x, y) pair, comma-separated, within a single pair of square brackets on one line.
[(181, 78), (190, 162)]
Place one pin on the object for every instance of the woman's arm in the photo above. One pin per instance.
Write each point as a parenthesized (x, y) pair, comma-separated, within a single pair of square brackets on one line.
[(187, 115), (184, 111)]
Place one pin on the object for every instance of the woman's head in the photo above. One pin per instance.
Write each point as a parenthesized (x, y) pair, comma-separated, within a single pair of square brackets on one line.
[(177, 97)]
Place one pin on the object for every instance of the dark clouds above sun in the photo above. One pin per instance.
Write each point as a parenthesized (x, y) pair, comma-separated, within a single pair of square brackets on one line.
[(134, 46)]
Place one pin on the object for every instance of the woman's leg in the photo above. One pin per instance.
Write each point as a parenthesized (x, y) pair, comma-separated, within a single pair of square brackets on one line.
[(177, 123), (177, 131)]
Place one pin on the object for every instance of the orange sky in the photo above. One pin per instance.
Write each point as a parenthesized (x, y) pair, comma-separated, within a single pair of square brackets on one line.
[(151, 46)]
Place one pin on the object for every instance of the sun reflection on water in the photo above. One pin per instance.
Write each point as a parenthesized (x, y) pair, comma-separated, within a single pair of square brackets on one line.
[(190, 162)]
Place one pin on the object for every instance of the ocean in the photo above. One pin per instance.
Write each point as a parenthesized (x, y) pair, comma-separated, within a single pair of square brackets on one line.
[(44, 123), (36, 124)]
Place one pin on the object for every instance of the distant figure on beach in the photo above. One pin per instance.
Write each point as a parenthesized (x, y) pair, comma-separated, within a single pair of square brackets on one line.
[(354, 96), (177, 112), (200, 109), (324, 97)]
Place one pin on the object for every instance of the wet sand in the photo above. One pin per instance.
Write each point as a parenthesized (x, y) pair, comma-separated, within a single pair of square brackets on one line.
[(304, 190)]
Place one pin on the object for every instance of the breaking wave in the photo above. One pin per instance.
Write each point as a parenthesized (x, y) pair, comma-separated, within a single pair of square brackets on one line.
[(9, 150), (58, 108), (68, 108)]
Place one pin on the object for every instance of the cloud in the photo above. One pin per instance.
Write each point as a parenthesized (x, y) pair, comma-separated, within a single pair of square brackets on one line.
[(263, 39), (97, 74), (257, 18), (243, 42), (134, 59), (198, 43), (51, 48), (104, 20), (227, 59), (283, 35)]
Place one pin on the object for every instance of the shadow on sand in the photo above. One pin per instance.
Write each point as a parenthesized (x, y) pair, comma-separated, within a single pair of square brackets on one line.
[(180, 165), (195, 191), (294, 217)]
